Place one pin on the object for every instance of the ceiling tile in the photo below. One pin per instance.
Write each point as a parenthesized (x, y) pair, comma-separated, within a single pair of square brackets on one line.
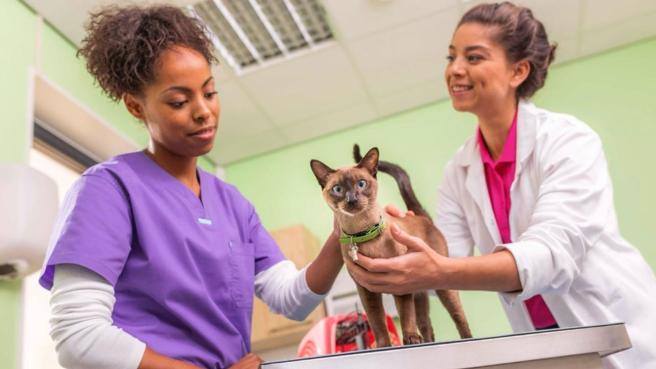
[(222, 72), (568, 49), (634, 29), (240, 117), (305, 86), (69, 16), (601, 13), (405, 56), (426, 92), (227, 150), (70, 22), (329, 123), (351, 19)]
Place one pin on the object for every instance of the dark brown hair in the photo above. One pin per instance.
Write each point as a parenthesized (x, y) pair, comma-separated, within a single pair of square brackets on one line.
[(123, 44), (521, 35)]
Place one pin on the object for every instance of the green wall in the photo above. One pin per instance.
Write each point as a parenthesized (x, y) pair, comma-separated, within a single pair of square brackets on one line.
[(19, 32), (14, 72), (613, 92)]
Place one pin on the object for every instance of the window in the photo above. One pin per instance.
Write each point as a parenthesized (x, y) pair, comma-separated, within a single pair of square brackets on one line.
[(64, 163)]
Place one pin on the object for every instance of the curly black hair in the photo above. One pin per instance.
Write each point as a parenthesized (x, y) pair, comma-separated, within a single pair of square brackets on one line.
[(521, 35), (123, 44)]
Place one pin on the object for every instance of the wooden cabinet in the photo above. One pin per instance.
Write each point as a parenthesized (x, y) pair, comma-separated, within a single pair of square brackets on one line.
[(272, 330)]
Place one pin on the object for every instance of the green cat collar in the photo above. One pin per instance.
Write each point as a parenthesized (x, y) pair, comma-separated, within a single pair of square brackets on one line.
[(364, 236)]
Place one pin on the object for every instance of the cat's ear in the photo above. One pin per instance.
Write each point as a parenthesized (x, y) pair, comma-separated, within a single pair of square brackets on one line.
[(321, 171), (370, 161)]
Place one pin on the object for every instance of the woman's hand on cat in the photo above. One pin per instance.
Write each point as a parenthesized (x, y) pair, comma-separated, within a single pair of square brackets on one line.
[(420, 269)]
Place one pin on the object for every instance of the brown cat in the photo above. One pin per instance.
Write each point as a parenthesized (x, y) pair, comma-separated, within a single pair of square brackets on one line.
[(351, 194)]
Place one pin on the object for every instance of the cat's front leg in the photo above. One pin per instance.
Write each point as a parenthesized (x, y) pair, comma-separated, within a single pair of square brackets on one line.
[(405, 304), (373, 306)]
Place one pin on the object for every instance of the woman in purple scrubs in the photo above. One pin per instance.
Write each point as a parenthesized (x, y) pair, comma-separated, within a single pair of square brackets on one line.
[(154, 261)]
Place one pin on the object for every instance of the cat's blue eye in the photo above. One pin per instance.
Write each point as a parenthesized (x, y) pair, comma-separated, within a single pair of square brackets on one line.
[(362, 184), (337, 189)]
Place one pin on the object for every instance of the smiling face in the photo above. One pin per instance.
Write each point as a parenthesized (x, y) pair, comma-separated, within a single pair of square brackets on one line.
[(478, 74), (180, 108)]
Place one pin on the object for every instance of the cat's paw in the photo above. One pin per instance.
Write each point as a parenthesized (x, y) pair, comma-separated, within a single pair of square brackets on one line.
[(411, 339)]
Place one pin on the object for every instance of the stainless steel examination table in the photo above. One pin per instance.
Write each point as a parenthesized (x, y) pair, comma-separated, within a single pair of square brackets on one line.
[(565, 348)]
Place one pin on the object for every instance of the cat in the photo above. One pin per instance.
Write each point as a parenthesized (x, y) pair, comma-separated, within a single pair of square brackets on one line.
[(351, 193)]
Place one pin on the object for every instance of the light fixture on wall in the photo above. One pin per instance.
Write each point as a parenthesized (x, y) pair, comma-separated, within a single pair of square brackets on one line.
[(28, 207), (251, 33)]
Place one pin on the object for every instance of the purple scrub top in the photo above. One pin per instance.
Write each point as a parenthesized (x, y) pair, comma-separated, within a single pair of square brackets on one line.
[(183, 269)]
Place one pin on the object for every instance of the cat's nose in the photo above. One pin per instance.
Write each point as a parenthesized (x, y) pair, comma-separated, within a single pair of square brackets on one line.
[(351, 198)]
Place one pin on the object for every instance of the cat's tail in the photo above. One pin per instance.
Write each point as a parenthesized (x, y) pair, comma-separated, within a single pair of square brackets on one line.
[(402, 180)]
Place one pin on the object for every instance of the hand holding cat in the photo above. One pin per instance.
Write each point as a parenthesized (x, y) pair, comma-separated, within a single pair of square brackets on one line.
[(420, 269)]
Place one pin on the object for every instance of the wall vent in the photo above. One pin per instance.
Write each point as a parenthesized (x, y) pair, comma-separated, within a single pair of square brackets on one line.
[(251, 33)]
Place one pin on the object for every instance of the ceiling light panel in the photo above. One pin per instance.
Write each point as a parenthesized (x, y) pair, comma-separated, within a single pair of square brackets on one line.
[(250, 33), (225, 34), (283, 23), (314, 18), (253, 26)]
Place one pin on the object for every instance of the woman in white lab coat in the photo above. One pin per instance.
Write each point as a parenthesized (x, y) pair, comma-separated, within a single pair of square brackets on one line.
[(533, 192)]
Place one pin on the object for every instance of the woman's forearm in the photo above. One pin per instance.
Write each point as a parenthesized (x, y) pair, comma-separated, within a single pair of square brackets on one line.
[(321, 274), (493, 272)]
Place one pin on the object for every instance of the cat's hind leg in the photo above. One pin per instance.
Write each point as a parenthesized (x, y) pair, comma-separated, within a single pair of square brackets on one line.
[(422, 312), (451, 301)]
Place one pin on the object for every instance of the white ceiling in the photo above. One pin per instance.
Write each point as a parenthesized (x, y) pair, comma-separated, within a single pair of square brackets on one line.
[(388, 56)]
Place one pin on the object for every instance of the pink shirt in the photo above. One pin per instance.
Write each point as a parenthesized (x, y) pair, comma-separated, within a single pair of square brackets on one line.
[(499, 176)]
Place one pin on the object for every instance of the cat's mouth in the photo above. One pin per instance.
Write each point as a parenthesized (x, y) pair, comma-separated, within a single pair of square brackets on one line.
[(339, 209), (352, 211)]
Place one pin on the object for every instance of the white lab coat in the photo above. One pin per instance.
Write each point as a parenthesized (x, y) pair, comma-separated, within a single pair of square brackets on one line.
[(567, 244)]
